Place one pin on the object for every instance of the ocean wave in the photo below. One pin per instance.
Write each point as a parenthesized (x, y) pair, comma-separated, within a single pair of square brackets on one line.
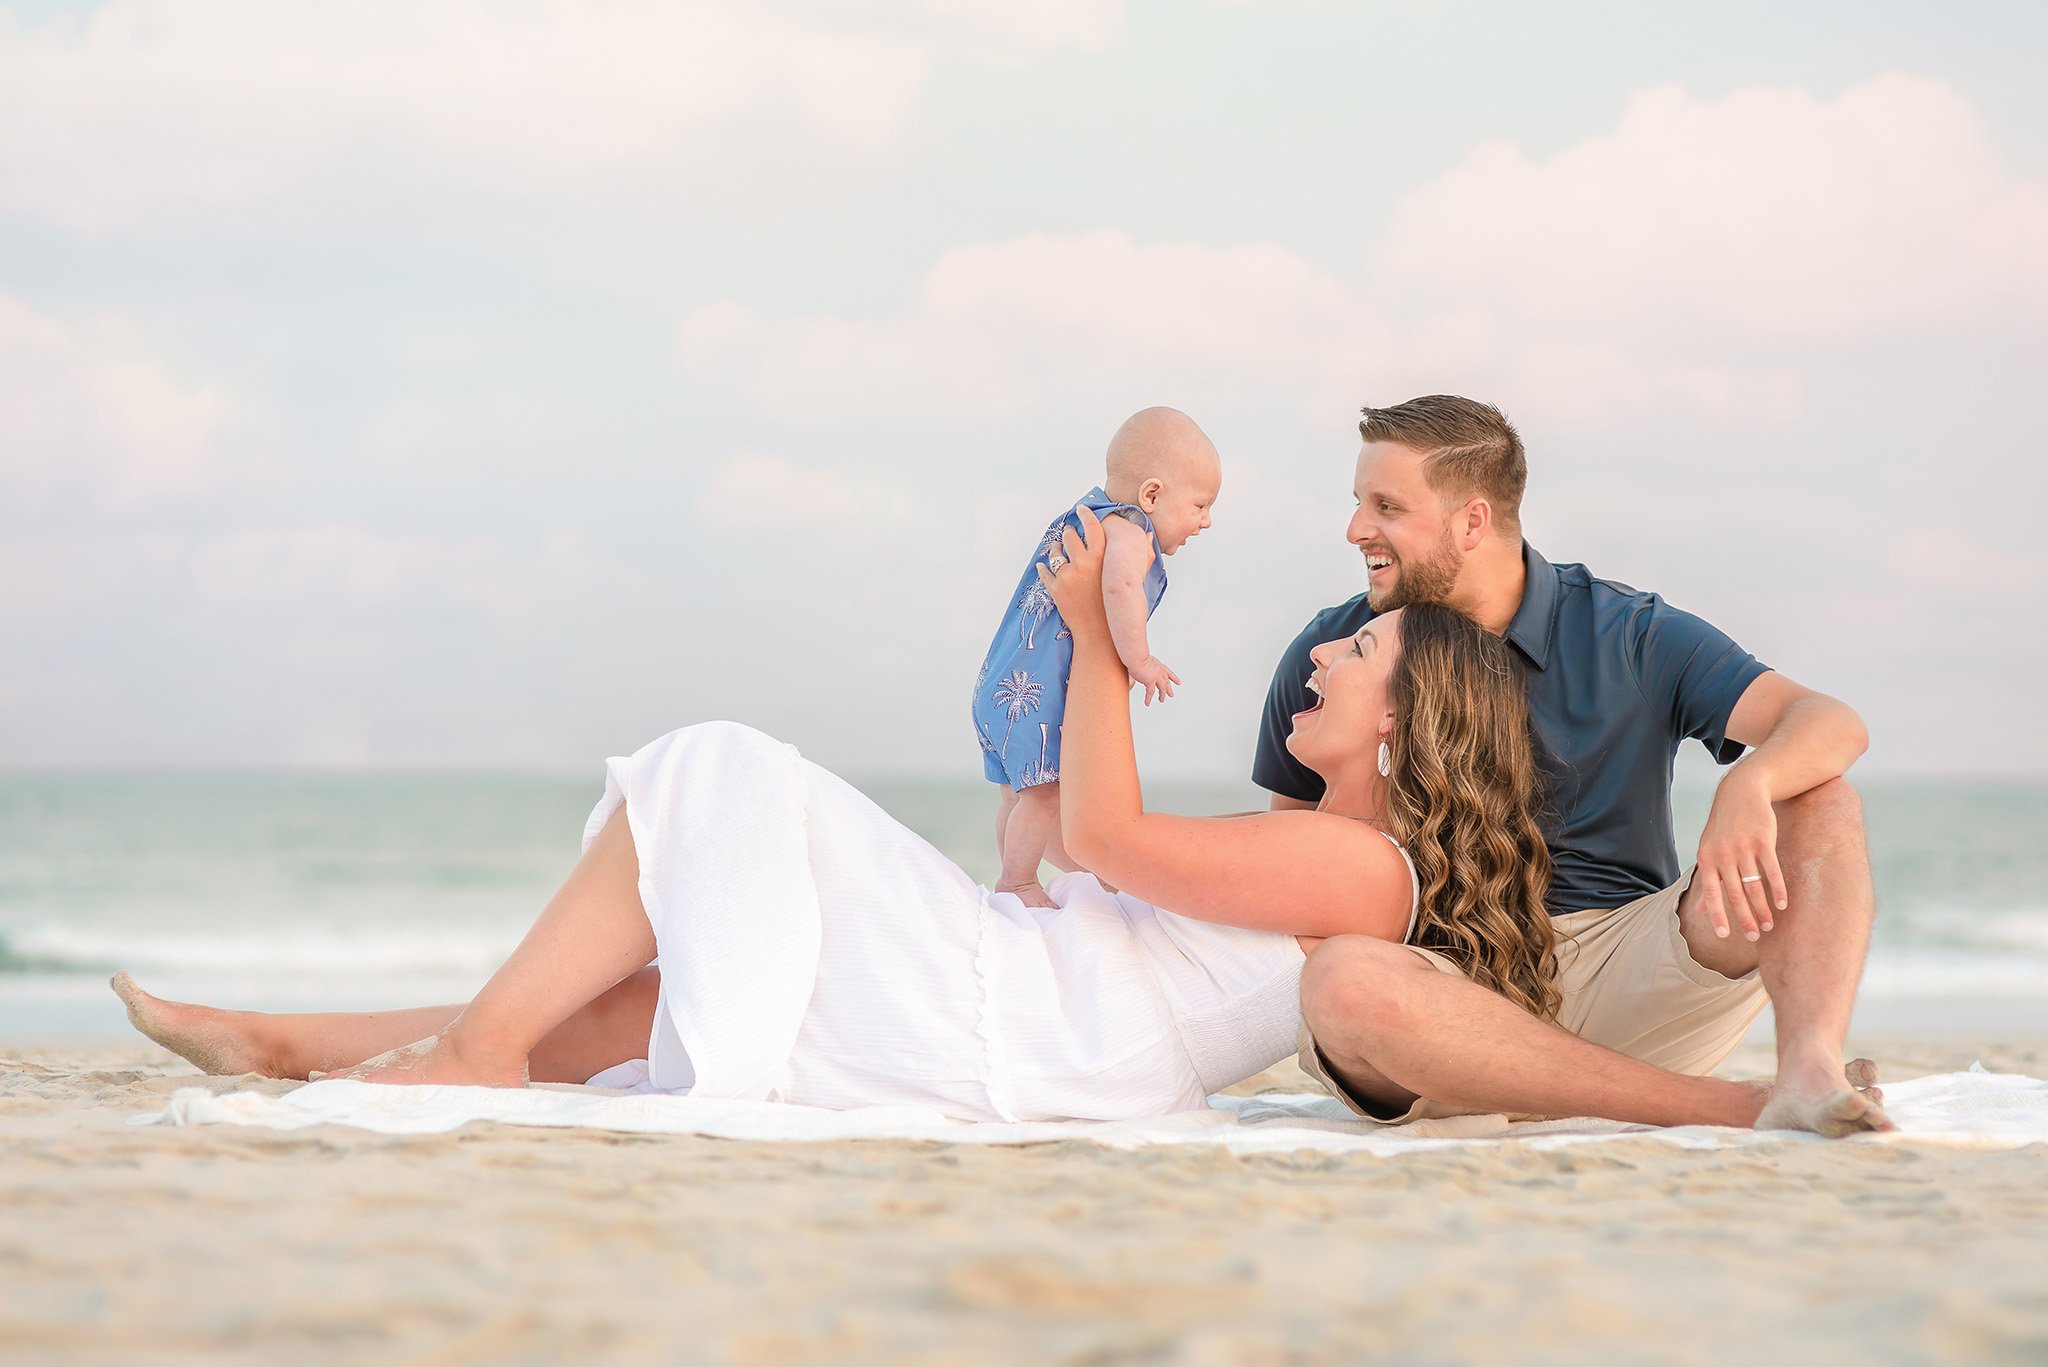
[(379, 949), (1901, 973), (2019, 930)]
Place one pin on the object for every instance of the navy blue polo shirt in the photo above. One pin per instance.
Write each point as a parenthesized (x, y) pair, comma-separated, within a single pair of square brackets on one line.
[(1617, 681)]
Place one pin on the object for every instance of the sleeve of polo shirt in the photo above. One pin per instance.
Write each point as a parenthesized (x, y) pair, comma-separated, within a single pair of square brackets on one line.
[(1690, 672), (1273, 768)]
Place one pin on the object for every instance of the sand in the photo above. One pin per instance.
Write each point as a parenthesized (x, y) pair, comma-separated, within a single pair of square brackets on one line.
[(225, 1244)]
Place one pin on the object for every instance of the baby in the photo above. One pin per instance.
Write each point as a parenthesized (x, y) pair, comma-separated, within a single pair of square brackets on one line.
[(1162, 476)]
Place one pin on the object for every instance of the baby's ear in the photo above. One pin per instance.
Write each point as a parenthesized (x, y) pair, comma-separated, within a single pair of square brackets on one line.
[(1149, 492)]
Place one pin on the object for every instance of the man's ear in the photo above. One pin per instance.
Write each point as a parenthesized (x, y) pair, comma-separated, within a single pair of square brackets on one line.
[(1472, 522), (1149, 492)]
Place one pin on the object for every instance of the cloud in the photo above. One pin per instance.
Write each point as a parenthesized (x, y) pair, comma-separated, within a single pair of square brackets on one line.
[(993, 32), (1965, 567), (749, 493), (996, 329), (362, 568), (1767, 213), (1696, 262), (141, 113), (313, 582), (86, 411), (268, 643)]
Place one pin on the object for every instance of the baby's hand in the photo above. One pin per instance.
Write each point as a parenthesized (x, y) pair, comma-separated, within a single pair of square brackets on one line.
[(1152, 675)]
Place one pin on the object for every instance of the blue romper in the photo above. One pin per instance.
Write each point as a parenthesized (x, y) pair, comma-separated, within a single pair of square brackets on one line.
[(1020, 696)]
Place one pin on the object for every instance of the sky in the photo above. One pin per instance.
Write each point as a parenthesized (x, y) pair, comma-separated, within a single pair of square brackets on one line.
[(500, 385)]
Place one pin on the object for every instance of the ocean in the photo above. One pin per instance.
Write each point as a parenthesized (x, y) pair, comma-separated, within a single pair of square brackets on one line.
[(295, 891)]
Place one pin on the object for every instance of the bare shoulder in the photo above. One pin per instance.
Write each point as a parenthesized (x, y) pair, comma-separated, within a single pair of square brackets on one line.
[(1128, 543), (1123, 527)]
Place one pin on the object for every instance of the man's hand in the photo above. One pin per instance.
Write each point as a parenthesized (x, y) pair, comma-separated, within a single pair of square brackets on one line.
[(1152, 675), (1739, 881)]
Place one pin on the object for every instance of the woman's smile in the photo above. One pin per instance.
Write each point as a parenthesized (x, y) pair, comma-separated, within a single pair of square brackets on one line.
[(1315, 686)]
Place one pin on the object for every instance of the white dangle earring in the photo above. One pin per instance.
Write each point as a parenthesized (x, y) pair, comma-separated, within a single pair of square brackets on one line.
[(1386, 760)]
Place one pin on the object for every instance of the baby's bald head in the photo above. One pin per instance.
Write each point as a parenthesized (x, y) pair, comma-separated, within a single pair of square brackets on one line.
[(1162, 462), (1162, 443)]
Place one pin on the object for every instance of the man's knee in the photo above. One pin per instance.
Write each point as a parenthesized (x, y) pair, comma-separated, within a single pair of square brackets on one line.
[(1355, 987), (1833, 805)]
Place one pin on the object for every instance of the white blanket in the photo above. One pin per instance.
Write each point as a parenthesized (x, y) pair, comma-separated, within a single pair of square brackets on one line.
[(1973, 1110)]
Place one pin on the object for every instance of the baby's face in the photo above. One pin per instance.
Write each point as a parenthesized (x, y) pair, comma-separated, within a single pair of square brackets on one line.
[(1182, 508)]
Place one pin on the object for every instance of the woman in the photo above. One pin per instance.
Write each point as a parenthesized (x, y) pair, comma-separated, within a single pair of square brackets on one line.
[(806, 948)]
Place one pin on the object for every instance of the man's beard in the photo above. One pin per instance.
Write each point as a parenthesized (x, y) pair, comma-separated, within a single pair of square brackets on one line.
[(1428, 580)]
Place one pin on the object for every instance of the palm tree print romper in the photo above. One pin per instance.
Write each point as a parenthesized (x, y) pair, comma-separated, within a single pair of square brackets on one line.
[(1020, 696)]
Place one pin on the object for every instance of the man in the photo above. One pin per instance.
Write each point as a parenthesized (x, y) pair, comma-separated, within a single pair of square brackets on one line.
[(1661, 970)]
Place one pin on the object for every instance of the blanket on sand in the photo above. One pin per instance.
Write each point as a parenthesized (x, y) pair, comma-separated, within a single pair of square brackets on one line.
[(1976, 1109)]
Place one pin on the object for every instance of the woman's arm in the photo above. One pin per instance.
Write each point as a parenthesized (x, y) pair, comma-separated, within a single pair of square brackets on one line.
[(1304, 873)]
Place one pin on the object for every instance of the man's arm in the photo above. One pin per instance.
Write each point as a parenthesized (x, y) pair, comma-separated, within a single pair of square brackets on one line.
[(1800, 740)]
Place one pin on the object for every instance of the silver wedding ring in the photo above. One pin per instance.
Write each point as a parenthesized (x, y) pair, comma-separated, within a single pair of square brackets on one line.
[(1752, 878), (1055, 562)]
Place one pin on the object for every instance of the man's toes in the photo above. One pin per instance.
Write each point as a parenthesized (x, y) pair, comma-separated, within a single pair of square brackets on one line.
[(1853, 1112), (1861, 1072), (1874, 1118)]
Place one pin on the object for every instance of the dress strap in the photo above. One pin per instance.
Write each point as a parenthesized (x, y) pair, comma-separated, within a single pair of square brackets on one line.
[(1415, 889)]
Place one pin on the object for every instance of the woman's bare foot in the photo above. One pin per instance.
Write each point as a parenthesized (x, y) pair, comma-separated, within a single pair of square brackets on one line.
[(1811, 1097), (1030, 892), (438, 1060), (223, 1043)]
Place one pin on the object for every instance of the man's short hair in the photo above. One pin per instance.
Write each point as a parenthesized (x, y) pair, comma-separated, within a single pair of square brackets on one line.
[(1468, 448)]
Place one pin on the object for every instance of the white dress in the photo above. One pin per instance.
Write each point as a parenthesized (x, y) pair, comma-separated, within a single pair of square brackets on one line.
[(814, 950)]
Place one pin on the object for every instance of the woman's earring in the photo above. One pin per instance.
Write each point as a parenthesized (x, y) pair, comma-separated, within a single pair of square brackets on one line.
[(1386, 760)]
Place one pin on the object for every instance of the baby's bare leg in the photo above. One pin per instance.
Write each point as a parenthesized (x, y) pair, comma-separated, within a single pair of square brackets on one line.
[(1034, 822), (1003, 810)]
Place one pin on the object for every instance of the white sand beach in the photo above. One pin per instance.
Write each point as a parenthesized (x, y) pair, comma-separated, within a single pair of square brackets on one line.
[(332, 1244)]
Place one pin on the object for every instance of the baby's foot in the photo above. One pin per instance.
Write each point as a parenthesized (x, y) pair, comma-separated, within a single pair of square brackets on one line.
[(1029, 892), (222, 1043)]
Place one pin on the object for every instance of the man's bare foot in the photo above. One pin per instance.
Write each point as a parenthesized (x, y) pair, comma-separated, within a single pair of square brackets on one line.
[(1031, 893), (1862, 1075), (438, 1060), (223, 1043), (1811, 1098)]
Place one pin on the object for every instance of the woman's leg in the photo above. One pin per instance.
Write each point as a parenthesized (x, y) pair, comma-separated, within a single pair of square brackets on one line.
[(230, 1043), (606, 1031), (592, 936)]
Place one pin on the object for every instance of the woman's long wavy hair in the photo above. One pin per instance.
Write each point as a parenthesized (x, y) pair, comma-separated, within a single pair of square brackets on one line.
[(1463, 796)]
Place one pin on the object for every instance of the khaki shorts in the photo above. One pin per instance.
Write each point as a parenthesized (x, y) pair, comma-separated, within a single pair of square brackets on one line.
[(1629, 984)]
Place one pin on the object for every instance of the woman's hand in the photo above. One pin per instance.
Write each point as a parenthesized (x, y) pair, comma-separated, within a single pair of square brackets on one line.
[(1073, 575)]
